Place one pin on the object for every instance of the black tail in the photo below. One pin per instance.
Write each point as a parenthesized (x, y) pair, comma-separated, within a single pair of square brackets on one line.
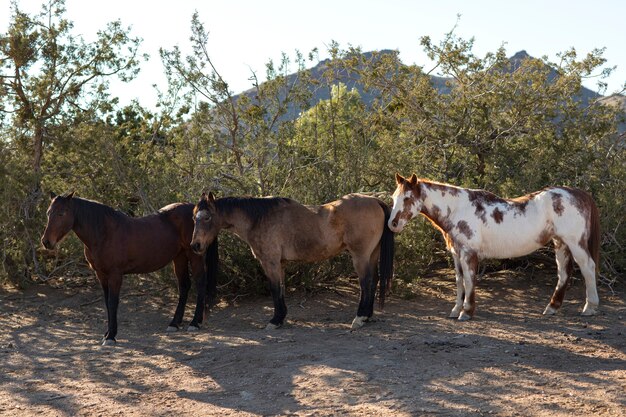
[(211, 261), (385, 261)]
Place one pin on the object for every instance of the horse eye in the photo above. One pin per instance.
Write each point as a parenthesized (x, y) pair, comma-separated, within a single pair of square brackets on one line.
[(406, 199), (61, 214)]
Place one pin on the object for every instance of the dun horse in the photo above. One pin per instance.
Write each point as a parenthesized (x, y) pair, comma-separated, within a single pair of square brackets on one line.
[(116, 244), (279, 230), (477, 224)]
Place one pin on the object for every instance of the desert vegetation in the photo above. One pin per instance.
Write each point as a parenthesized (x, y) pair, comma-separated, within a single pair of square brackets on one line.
[(308, 129)]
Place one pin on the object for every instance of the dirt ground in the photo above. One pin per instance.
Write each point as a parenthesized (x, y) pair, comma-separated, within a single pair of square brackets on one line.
[(412, 360)]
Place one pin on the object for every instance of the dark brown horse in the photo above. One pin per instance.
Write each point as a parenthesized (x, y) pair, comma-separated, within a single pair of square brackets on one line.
[(116, 244), (279, 230)]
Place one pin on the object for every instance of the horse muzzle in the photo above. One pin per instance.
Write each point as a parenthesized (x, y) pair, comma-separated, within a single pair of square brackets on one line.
[(197, 248), (48, 244), (395, 225)]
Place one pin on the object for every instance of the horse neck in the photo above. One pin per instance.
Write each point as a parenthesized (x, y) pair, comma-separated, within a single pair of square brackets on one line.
[(236, 222), (89, 228), (439, 197)]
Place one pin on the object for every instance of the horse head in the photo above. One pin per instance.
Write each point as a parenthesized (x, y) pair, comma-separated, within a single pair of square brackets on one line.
[(406, 202), (60, 219), (205, 224)]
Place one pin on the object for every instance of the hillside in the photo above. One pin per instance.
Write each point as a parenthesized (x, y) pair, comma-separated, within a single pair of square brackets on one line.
[(440, 83)]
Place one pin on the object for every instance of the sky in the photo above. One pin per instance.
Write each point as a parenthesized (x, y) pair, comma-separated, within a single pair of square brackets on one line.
[(246, 34)]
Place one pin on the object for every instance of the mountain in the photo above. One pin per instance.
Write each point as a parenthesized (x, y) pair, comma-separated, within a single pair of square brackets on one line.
[(440, 83)]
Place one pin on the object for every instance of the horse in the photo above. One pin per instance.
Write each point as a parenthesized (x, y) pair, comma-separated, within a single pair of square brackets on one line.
[(116, 244), (281, 229), (477, 224)]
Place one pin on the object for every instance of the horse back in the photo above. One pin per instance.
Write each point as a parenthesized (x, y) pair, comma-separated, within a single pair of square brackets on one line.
[(354, 222), (363, 220), (180, 215)]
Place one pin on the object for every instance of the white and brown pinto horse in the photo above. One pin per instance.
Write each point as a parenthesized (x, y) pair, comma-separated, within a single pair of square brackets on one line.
[(477, 224)]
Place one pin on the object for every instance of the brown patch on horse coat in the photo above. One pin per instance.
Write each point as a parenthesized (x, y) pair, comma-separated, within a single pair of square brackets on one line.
[(520, 203), (545, 236), (557, 204), (559, 292), (472, 263), (483, 197), (464, 228), (497, 215), (584, 241), (405, 214), (442, 188), (581, 200), (480, 212), (440, 221)]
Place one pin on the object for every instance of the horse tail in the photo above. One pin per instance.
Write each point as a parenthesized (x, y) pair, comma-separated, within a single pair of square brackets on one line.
[(593, 243), (211, 262), (385, 260)]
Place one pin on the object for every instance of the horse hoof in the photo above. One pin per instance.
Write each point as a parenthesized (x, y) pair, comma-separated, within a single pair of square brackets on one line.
[(358, 322), (464, 316), (171, 329), (549, 311), (109, 342), (193, 328), (589, 311), (454, 314), (272, 326)]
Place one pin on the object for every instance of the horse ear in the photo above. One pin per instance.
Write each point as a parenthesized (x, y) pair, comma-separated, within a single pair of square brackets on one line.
[(70, 195), (203, 196), (413, 179), (52, 195), (211, 197), (399, 179)]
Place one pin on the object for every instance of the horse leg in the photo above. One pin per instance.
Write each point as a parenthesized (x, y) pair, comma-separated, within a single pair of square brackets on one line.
[(181, 270), (104, 283), (588, 269), (460, 293), (469, 264), (565, 269), (112, 299), (274, 272), (375, 278), (199, 274), (366, 301)]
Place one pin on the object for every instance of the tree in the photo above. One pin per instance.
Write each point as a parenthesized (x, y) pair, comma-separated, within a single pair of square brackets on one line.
[(510, 125), (242, 132), (49, 76), (48, 73)]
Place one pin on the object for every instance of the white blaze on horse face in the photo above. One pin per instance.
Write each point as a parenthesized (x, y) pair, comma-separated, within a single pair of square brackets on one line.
[(200, 215), (200, 228), (405, 207)]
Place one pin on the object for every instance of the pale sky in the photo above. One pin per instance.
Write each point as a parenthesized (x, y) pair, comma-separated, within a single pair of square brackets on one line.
[(245, 34)]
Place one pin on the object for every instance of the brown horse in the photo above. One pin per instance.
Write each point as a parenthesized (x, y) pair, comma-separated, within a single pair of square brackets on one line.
[(116, 244), (280, 229)]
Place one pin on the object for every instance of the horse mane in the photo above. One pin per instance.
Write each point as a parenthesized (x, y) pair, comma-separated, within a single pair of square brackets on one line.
[(255, 208), (94, 214)]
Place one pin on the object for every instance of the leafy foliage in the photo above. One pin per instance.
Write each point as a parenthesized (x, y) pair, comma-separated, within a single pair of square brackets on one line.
[(510, 125)]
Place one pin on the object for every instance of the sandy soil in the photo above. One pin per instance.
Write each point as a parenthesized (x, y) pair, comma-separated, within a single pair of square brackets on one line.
[(508, 361)]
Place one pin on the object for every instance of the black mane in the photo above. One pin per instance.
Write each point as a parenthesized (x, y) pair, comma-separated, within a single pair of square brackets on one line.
[(94, 214), (254, 208)]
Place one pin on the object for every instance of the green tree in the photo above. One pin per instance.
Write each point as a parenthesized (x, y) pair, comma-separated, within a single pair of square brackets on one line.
[(49, 77), (332, 151), (240, 133), (508, 125)]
